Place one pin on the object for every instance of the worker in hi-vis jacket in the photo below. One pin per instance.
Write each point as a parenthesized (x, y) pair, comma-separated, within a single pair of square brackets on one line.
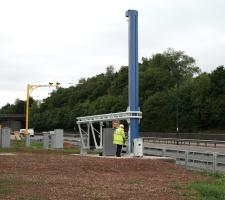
[(119, 138)]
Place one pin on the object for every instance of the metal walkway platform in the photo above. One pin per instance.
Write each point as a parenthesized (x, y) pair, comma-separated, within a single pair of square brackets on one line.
[(110, 117)]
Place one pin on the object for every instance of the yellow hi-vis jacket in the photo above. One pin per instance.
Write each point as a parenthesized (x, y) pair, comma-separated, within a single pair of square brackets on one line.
[(119, 136)]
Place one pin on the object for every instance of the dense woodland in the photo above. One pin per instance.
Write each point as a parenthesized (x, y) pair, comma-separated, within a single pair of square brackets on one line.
[(173, 90)]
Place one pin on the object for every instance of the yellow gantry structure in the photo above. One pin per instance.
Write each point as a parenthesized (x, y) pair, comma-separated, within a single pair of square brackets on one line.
[(31, 88)]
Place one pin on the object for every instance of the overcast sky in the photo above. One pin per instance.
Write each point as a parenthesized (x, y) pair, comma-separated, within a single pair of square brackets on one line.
[(50, 40)]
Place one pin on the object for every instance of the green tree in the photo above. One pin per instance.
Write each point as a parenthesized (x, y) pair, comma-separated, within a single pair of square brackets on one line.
[(172, 89)]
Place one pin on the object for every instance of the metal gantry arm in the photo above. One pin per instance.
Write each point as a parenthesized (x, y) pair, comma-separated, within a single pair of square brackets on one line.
[(110, 117), (88, 121), (30, 88)]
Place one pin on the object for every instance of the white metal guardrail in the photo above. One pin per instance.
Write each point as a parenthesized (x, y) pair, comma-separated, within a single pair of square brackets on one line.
[(206, 143), (212, 161)]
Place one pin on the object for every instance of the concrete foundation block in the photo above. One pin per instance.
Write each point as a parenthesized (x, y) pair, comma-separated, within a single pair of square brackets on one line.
[(46, 140), (5, 137), (27, 141), (83, 151), (57, 139), (109, 149)]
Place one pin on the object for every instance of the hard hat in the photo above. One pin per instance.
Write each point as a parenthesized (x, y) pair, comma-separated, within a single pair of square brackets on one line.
[(121, 126)]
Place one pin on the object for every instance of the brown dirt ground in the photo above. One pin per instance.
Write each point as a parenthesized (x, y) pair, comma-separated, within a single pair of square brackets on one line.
[(67, 145), (62, 176)]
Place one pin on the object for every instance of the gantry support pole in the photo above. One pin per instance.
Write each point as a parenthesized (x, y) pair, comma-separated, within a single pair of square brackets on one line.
[(133, 75), (27, 108)]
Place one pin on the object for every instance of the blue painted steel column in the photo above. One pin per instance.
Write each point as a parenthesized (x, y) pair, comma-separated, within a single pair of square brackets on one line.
[(133, 73)]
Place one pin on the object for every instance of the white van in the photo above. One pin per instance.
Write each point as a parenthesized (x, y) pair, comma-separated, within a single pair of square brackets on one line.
[(30, 131)]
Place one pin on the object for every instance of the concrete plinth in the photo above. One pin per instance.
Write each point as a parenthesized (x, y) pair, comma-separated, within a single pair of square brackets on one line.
[(57, 139), (46, 140), (27, 141), (5, 137), (109, 149)]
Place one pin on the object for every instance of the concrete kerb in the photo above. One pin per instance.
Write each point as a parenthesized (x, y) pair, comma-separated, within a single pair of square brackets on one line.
[(166, 159), (7, 154)]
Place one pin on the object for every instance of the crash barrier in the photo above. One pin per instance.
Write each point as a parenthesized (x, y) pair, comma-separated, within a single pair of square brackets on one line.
[(212, 161), (197, 136), (53, 139), (206, 143), (5, 137)]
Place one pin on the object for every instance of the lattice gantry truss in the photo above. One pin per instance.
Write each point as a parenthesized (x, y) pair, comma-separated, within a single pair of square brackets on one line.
[(86, 127)]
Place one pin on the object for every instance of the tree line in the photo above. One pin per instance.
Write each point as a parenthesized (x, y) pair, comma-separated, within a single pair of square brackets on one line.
[(173, 93)]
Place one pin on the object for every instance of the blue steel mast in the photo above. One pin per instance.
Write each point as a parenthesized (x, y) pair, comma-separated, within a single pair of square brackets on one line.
[(133, 74)]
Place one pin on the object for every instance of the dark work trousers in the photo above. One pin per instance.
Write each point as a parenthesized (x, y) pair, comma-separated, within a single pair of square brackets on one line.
[(118, 150)]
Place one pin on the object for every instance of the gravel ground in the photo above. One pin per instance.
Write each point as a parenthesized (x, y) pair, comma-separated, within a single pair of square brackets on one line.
[(38, 176)]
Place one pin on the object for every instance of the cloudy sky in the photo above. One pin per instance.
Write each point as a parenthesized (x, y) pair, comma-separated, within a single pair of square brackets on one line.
[(51, 40)]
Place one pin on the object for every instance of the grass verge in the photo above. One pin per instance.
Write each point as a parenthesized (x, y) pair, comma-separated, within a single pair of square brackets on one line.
[(211, 188), (36, 147)]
